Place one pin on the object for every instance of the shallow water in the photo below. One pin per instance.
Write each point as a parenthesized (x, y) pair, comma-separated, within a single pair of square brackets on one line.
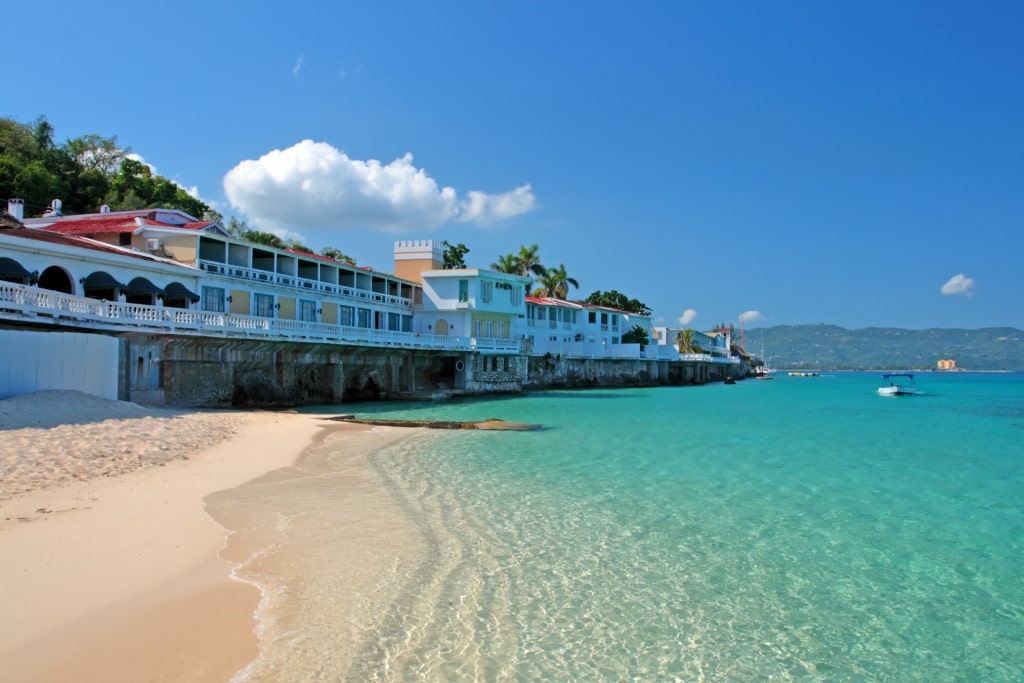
[(802, 529)]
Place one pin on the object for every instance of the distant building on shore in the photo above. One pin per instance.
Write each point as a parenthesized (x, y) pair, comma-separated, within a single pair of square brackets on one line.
[(945, 364)]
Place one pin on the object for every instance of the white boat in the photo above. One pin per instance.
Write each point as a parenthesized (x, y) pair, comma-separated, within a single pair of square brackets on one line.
[(899, 384), (764, 370)]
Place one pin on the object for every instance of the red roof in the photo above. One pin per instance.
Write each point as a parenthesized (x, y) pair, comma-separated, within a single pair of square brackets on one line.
[(319, 257), (94, 226), (51, 237), (113, 222)]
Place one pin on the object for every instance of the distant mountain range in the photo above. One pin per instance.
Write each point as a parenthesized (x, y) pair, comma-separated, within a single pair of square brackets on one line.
[(829, 347)]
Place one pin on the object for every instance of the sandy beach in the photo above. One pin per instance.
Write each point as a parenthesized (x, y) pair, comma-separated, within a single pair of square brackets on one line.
[(109, 561)]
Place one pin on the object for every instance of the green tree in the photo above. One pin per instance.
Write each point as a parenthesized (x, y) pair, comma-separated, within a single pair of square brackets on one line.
[(528, 261), (337, 255), (454, 255), (267, 239), (686, 342), (99, 153), (614, 299), (30, 167), (135, 184), (236, 228), (555, 283), (35, 168), (506, 264), (298, 246), (637, 335)]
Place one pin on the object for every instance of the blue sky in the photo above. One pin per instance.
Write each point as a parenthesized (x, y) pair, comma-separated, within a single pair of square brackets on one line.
[(855, 163)]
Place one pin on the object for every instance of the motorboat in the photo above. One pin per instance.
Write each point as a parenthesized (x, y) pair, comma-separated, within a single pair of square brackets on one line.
[(898, 384)]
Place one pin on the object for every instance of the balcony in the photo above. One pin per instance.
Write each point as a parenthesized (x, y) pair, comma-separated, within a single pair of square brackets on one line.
[(42, 306), (303, 285)]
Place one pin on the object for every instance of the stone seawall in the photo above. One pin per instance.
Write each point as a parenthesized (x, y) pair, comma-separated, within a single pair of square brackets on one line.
[(210, 372), (164, 370)]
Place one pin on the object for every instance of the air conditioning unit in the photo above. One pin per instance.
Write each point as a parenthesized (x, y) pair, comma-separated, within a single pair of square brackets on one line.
[(153, 245)]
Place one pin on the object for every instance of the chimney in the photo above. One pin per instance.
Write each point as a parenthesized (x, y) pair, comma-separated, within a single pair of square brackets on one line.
[(415, 256), (16, 207), (54, 209)]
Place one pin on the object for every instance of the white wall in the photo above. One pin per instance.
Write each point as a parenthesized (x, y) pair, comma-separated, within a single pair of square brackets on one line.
[(34, 361)]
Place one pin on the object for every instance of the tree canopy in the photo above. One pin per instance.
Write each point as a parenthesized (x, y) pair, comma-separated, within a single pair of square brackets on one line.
[(637, 335), (525, 263), (84, 173), (555, 283), (614, 299), (454, 255)]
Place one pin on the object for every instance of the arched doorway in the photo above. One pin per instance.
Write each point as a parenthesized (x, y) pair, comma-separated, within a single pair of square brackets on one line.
[(441, 327), (56, 279)]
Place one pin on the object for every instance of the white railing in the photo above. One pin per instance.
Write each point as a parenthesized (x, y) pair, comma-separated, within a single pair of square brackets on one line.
[(20, 302), (494, 345), (303, 284)]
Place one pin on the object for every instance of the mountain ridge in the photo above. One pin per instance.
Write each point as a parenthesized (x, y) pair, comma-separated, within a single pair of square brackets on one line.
[(822, 346)]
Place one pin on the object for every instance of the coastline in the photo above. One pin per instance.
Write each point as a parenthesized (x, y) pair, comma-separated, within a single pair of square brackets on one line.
[(109, 565)]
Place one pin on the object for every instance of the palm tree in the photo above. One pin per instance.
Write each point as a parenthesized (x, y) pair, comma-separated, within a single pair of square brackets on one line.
[(506, 264), (686, 342), (528, 261), (555, 283)]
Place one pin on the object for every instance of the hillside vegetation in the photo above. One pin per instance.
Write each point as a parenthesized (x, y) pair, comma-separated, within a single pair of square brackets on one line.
[(829, 347)]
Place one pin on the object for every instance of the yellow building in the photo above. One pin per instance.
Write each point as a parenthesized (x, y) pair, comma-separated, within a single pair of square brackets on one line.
[(947, 364)]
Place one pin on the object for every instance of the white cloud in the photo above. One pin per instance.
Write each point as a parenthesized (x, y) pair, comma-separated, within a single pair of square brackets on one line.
[(750, 316), (687, 317), (313, 186), (486, 209), (958, 284), (298, 65)]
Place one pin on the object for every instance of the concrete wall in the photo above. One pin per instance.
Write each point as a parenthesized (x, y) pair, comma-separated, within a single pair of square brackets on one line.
[(34, 361)]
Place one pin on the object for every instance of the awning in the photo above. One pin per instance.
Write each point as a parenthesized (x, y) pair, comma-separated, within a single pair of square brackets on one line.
[(176, 290), (140, 286), (101, 280), (12, 271)]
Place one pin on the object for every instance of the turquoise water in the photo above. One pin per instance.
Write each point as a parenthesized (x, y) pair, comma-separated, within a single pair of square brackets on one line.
[(802, 529)]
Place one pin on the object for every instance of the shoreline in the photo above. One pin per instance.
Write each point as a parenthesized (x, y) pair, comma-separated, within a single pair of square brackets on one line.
[(110, 572)]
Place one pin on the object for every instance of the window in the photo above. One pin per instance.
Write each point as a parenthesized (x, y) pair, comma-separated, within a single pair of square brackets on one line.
[(487, 291), (490, 329), (476, 328), (348, 316), (213, 300), (307, 311), (516, 295), (501, 330), (263, 305), (592, 317), (463, 290), (364, 317)]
